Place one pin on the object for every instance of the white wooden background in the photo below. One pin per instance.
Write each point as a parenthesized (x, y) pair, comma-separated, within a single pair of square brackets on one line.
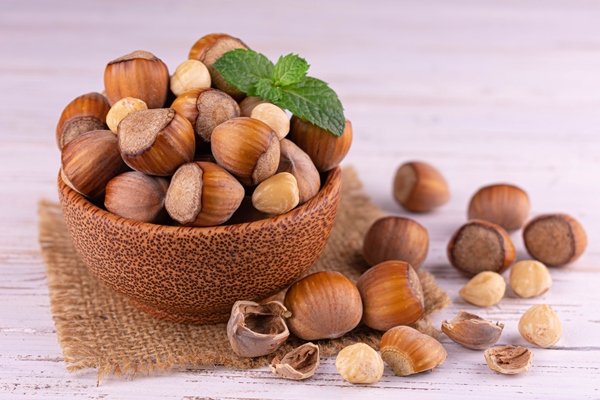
[(488, 91)]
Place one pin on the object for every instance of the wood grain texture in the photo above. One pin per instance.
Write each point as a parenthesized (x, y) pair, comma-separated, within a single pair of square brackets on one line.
[(496, 91)]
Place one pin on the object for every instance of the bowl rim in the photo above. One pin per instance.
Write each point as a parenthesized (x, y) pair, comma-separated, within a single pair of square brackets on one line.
[(329, 185)]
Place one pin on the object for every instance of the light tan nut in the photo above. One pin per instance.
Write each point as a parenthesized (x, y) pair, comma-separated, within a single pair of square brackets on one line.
[(189, 75), (540, 325), (529, 278), (256, 329), (472, 331), (121, 109), (276, 195), (359, 363), (300, 363), (484, 289), (273, 116), (508, 360)]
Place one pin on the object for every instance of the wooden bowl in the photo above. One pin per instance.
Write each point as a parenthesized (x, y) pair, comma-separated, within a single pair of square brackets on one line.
[(195, 275)]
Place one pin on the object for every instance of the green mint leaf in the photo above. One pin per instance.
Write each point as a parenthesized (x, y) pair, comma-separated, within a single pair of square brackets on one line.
[(313, 100), (244, 69), (266, 89), (289, 70)]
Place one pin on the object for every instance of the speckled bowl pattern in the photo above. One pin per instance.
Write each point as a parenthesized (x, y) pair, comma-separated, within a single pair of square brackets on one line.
[(194, 275)]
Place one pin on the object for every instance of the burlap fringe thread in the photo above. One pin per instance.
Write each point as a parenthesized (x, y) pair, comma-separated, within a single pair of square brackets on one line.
[(99, 328)]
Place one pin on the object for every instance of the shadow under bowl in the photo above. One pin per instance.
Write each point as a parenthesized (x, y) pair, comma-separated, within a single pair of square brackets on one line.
[(194, 275)]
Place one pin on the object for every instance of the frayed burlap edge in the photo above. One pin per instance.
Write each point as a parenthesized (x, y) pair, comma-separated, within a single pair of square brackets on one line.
[(100, 329)]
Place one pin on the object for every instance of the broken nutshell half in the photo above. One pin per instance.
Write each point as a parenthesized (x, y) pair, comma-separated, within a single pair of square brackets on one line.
[(256, 330), (300, 363), (472, 331), (508, 360)]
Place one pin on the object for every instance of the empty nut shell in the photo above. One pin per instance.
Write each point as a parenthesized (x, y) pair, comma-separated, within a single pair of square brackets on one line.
[(408, 351), (359, 363), (501, 204), (508, 360), (484, 289), (257, 329), (472, 332), (300, 363)]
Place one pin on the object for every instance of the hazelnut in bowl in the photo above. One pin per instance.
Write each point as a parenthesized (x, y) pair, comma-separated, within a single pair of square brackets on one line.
[(194, 275)]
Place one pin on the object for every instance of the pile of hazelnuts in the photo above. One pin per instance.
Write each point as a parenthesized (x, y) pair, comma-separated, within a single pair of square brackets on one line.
[(388, 297), (188, 148)]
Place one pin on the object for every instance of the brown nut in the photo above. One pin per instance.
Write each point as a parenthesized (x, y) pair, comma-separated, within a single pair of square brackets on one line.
[(140, 75), (206, 108), (324, 148), (472, 332), (247, 148), (157, 141), (137, 196), (481, 246), (256, 330), (121, 109), (484, 289), (189, 75), (540, 325), (419, 187), (408, 351), (508, 360), (300, 363), (324, 305), (396, 238), (295, 161), (359, 363), (555, 239), (209, 49), (529, 278), (83, 114), (203, 194), (501, 204), (91, 160), (392, 295), (277, 194)]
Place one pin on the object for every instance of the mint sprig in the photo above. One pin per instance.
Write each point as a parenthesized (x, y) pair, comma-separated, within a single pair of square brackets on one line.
[(284, 84)]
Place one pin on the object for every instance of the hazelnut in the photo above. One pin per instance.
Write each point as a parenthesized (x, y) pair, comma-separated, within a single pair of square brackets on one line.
[(529, 278), (189, 75), (206, 108), (295, 161), (392, 295), (156, 141), (324, 305), (472, 332), (484, 289), (324, 148), (396, 238), (209, 49), (277, 194), (359, 363), (504, 205), (481, 246), (273, 116), (137, 196), (91, 160), (540, 325), (247, 148), (121, 109), (300, 363), (203, 194), (555, 239), (256, 330), (248, 104), (408, 351), (508, 360), (419, 187), (140, 75), (83, 114)]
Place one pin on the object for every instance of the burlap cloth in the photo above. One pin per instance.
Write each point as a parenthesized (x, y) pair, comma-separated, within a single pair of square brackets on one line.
[(99, 328)]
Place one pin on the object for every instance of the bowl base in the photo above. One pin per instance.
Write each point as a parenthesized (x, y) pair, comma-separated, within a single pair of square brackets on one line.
[(181, 318)]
